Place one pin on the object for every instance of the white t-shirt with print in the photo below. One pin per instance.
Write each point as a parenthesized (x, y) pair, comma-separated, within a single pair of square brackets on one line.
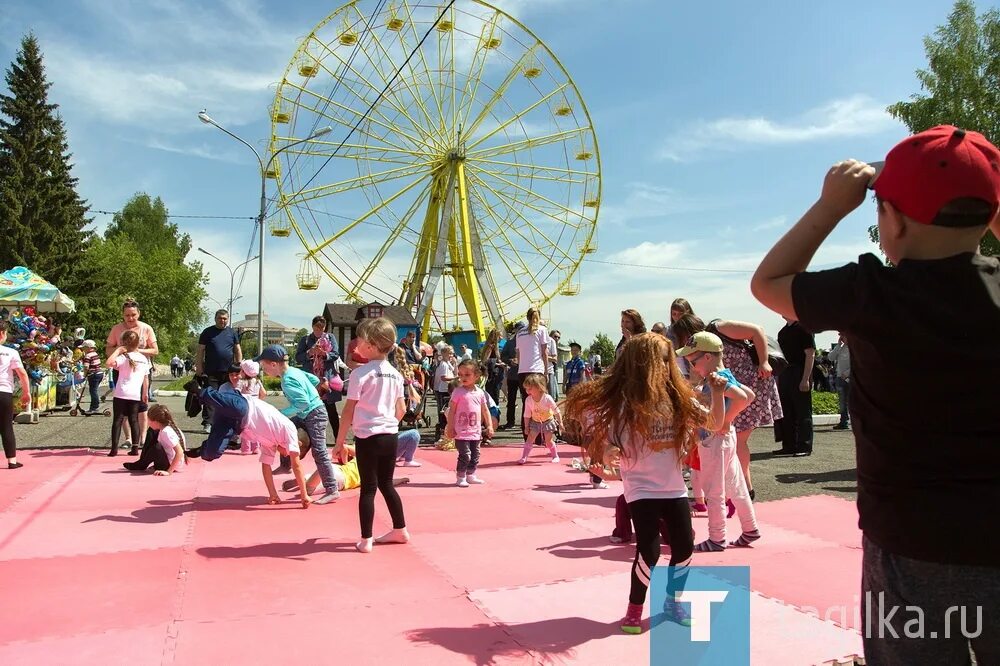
[(376, 386), (553, 353), (648, 474), (169, 440), (129, 384), (529, 350), (265, 424), (10, 361)]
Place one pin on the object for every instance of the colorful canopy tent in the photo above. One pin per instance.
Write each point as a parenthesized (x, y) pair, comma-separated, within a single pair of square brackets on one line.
[(19, 287)]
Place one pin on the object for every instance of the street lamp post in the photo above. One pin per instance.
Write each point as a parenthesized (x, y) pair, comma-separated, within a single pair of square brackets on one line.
[(207, 119), (232, 272)]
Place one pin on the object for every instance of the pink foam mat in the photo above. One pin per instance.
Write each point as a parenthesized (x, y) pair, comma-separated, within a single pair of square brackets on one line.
[(110, 567)]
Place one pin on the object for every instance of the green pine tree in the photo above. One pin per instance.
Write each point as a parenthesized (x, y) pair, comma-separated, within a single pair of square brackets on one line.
[(43, 218)]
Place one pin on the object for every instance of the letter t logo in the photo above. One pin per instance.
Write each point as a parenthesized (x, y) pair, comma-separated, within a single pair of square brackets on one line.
[(701, 611)]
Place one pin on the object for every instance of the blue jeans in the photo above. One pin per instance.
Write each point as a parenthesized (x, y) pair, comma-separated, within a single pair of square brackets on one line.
[(407, 445), (468, 456), (94, 383), (959, 605), (229, 410), (843, 391), (314, 424)]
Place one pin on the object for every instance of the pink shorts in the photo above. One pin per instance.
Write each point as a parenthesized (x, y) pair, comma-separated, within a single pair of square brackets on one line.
[(269, 451)]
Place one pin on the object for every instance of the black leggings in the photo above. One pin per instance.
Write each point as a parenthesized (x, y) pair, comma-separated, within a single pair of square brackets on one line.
[(646, 516), (7, 424), (334, 417), (376, 464), (122, 409)]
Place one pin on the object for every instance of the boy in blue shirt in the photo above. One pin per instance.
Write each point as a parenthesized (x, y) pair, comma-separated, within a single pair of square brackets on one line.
[(720, 474), (306, 410), (575, 370)]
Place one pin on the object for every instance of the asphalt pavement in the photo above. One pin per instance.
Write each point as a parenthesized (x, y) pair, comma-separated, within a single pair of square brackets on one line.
[(830, 469)]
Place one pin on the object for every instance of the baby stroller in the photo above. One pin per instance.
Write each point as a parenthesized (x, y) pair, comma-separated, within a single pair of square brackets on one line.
[(416, 407)]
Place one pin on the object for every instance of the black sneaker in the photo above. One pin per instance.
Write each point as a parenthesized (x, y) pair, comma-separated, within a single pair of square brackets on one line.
[(783, 452), (802, 454), (842, 426)]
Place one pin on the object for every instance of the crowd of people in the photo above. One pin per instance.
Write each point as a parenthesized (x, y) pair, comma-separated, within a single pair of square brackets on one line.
[(678, 402)]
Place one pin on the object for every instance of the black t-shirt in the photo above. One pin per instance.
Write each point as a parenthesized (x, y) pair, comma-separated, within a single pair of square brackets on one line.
[(794, 340), (925, 357), (220, 345)]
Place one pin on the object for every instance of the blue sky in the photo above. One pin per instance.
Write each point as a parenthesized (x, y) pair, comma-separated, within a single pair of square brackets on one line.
[(715, 121)]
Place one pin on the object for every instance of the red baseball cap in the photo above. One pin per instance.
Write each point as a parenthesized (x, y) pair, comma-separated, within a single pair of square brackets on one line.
[(924, 172)]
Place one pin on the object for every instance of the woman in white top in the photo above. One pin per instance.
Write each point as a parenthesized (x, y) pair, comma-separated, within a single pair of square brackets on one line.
[(10, 365), (531, 354)]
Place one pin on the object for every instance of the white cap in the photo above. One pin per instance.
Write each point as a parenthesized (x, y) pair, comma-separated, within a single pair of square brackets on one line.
[(89, 344), (250, 368)]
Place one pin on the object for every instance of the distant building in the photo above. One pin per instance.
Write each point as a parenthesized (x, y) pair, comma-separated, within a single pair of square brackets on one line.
[(273, 331), (342, 319)]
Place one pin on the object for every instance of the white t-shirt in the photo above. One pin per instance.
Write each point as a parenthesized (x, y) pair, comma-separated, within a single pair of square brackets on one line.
[(129, 384), (376, 386), (265, 424), (444, 370), (553, 353), (529, 350), (10, 361), (169, 440), (648, 474)]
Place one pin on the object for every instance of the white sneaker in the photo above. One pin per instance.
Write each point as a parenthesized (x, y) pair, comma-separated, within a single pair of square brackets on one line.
[(522, 461), (410, 463), (599, 485), (555, 459), (472, 478), (462, 483)]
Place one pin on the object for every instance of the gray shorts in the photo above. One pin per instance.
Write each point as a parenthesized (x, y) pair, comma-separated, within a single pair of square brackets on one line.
[(535, 428)]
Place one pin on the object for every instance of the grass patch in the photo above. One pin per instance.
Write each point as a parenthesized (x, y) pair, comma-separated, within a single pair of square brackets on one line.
[(825, 403), (270, 384)]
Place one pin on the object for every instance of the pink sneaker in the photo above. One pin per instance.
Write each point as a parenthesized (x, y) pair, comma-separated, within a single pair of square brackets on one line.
[(244, 448), (699, 507), (254, 448), (632, 622)]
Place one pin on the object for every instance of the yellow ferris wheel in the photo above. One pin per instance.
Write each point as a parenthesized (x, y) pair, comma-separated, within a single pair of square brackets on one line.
[(462, 177)]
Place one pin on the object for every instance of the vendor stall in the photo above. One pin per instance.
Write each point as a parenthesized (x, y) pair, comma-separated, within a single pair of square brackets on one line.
[(25, 299)]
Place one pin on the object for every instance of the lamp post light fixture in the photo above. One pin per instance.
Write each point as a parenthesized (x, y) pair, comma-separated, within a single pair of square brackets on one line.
[(208, 120), (232, 273)]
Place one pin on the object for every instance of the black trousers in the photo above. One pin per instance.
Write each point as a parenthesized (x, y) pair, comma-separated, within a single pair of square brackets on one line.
[(376, 457), (647, 515), (215, 380), (513, 386), (7, 424), (795, 431), (152, 453), (123, 410)]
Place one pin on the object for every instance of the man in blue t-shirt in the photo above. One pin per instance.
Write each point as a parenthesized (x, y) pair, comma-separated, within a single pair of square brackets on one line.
[(218, 349)]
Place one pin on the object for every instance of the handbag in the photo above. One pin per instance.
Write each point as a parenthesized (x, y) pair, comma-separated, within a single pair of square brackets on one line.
[(775, 358)]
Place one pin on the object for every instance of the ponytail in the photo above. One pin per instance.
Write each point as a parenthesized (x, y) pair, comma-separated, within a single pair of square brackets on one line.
[(161, 414), (533, 318)]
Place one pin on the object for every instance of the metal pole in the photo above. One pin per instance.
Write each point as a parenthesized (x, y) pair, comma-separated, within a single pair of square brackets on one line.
[(205, 118)]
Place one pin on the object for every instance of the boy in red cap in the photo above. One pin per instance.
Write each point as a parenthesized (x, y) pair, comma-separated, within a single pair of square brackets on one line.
[(925, 346)]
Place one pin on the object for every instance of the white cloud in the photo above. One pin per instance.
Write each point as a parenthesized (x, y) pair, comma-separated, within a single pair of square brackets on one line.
[(650, 254), (858, 115), (645, 201), (776, 222), (203, 150)]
